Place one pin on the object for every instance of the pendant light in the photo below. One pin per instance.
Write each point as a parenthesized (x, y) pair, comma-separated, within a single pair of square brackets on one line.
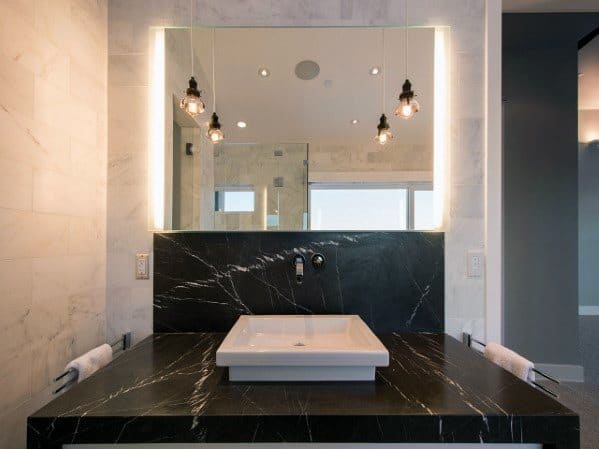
[(214, 133), (408, 106), (383, 134), (192, 100)]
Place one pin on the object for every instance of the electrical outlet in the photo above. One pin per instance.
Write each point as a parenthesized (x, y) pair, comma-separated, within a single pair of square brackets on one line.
[(142, 266), (475, 264)]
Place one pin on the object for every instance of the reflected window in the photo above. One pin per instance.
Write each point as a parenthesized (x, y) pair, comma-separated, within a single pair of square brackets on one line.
[(423, 210), (371, 206), (234, 199)]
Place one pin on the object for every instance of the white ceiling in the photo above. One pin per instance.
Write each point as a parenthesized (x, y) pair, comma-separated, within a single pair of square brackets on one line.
[(551, 5), (283, 108)]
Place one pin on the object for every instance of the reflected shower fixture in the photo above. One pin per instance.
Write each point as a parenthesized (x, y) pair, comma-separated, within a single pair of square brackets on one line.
[(192, 101), (408, 106), (384, 132), (214, 133)]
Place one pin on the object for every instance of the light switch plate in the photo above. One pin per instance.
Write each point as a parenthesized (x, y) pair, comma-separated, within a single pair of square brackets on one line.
[(142, 266), (475, 264)]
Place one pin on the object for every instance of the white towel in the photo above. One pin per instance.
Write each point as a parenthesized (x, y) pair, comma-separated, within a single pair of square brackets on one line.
[(510, 361), (90, 362)]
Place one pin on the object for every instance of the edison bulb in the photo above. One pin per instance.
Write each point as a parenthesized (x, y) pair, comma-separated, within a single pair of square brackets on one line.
[(215, 135), (193, 105), (383, 137), (407, 108)]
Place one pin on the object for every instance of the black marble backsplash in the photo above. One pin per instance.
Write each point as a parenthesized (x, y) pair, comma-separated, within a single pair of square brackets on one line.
[(204, 280)]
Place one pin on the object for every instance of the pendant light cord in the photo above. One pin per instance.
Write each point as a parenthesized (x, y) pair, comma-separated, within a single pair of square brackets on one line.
[(406, 14), (191, 33), (383, 74), (213, 75)]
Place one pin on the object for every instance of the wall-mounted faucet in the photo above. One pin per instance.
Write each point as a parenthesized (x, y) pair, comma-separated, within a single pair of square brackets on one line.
[(298, 262)]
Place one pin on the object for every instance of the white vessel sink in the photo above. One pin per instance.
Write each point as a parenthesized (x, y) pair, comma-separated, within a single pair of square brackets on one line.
[(301, 348)]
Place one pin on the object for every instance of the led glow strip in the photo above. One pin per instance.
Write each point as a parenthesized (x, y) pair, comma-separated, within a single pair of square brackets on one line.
[(441, 125), (156, 130)]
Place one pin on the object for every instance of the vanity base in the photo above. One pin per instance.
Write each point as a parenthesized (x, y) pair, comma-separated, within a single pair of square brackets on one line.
[(300, 373)]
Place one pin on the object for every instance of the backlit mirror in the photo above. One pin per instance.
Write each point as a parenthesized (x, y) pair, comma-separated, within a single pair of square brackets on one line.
[(299, 109)]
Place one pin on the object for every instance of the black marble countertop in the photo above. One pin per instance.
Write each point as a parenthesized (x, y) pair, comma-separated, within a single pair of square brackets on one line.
[(168, 389)]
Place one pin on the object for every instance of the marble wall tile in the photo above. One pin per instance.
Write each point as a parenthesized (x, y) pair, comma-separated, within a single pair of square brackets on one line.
[(85, 233), (467, 201), (72, 201), (22, 44), (85, 162), (128, 119), (33, 143), (16, 185), (21, 234), (128, 70), (52, 18), (53, 107), (15, 307), (468, 159), (19, 373), (16, 87), (127, 36), (88, 86)]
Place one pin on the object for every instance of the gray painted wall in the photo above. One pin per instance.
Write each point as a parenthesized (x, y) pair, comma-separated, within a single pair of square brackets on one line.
[(588, 226), (540, 183), (588, 178)]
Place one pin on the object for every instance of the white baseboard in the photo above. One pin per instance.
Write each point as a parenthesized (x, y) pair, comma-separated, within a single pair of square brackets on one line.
[(565, 373), (588, 310)]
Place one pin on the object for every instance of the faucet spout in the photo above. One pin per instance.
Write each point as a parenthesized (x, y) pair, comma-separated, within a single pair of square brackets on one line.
[(298, 262)]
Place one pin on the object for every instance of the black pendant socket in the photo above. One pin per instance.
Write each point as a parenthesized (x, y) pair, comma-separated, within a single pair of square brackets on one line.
[(406, 91), (383, 123), (193, 88), (214, 123)]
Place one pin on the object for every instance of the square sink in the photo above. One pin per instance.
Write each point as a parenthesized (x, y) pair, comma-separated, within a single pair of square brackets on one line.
[(301, 348)]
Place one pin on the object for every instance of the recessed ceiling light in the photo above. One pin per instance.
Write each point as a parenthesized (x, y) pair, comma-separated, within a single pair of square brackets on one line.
[(263, 72), (241, 124), (375, 70), (355, 121)]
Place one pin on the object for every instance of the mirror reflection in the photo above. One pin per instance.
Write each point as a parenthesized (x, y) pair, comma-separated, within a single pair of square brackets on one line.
[(282, 128)]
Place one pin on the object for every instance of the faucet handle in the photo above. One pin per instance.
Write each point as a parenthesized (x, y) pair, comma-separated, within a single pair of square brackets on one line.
[(318, 260)]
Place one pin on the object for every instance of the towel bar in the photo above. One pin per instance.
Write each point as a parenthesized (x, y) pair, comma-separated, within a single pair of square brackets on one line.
[(123, 344), (467, 339)]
